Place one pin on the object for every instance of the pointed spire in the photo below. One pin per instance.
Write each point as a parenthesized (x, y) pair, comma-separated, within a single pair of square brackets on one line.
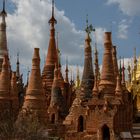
[(3, 38), (135, 59), (96, 63), (52, 56), (118, 90), (95, 89), (58, 52), (123, 73), (71, 80), (88, 76), (17, 69), (107, 83), (67, 72), (57, 36), (3, 12), (129, 72), (52, 52), (78, 78), (135, 65), (115, 63), (28, 72), (52, 21), (87, 20), (120, 70)]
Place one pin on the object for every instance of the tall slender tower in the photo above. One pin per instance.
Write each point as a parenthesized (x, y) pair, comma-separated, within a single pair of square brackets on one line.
[(120, 70), (67, 72), (123, 73), (51, 59), (135, 65), (3, 38), (78, 78), (129, 72), (96, 64), (19, 82), (115, 64), (17, 69), (107, 83), (88, 76)]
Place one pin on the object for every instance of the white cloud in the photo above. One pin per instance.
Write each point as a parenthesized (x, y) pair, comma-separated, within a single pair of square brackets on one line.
[(128, 7), (99, 36), (28, 28), (123, 29)]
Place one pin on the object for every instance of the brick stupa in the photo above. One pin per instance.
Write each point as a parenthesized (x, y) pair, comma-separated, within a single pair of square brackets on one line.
[(35, 98), (88, 76), (5, 86), (51, 59), (107, 83), (106, 114)]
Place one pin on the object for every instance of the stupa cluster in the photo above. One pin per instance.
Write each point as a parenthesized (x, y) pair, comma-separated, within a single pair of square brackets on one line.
[(99, 108)]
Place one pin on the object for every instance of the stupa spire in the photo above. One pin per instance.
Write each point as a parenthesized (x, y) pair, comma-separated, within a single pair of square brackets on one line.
[(135, 64), (118, 90), (115, 63), (135, 59), (123, 73), (52, 57), (96, 63), (67, 72), (120, 69), (88, 76), (3, 13), (95, 90), (17, 69), (3, 37), (78, 78), (129, 72), (107, 83), (52, 21)]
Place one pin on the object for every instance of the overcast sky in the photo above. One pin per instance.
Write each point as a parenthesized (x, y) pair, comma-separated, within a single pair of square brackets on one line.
[(27, 27)]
